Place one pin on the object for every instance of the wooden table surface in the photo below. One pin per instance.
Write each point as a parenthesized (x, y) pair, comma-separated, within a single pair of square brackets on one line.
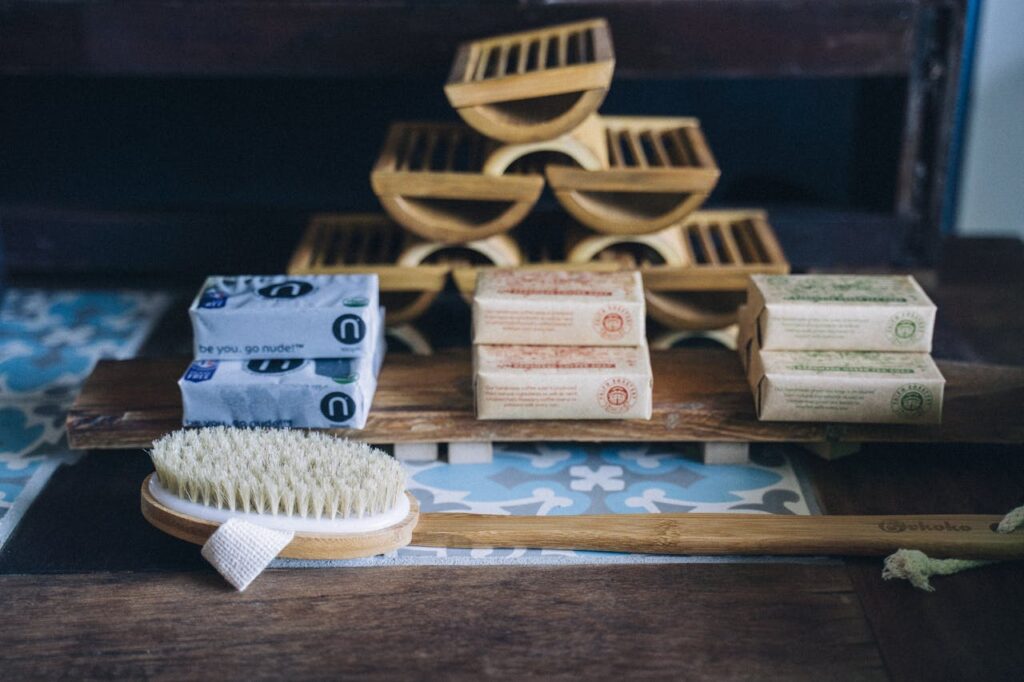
[(87, 589)]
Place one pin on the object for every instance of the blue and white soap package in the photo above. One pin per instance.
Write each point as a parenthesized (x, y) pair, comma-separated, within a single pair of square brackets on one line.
[(285, 317), (283, 392)]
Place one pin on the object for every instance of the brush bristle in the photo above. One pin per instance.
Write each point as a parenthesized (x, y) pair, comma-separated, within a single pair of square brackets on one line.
[(269, 471)]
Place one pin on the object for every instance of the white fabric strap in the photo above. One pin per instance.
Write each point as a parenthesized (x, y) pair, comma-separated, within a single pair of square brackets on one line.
[(240, 550)]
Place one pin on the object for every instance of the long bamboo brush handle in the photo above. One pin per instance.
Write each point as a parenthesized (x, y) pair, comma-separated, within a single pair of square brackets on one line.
[(967, 537)]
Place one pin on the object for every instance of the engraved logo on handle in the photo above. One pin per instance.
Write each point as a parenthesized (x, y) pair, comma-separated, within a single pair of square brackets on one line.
[(897, 526)]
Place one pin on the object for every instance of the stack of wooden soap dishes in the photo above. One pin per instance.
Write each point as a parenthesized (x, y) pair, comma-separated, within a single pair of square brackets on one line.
[(631, 185)]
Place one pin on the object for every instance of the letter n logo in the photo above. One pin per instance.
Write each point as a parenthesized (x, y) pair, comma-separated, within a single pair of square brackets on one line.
[(349, 329), (289, 289), (338, 407)]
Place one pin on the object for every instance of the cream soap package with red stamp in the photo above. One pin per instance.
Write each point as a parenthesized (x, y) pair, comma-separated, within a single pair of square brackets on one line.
[(285, 316), (839, 312), (562, 382), (559, 308)]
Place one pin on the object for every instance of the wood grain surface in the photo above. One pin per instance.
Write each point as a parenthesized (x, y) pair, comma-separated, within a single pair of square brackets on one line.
[(969, 628), (670, 622), (699, 395)]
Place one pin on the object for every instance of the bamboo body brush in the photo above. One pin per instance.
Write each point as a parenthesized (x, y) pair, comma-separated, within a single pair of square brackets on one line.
[(346, 500)]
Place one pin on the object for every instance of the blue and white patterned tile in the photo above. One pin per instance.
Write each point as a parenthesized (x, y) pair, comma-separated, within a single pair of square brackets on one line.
[(49, 342), (545, 480)]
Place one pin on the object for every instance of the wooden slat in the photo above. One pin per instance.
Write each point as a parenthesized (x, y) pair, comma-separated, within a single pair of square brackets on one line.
[(481, 64), (767, 239), (390, 623), (453, 142), (558, 80), (731, 247), (702, 153), (636, 149), (614, 148), (746, 239), (699, 395), (542, 55), (428, 151), (411, 139), (637, 181), (679, 141), (563, 48), (659, 149), (501, 66), (708, 243)]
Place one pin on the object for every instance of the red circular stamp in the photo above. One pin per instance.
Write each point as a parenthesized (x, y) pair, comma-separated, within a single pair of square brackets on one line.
[(617, 395), (613, 322)]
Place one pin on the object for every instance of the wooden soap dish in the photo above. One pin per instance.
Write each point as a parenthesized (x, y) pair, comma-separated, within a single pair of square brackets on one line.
[(659, 171), (429, 177), (499, 250), (583, 146), (370, 243), (695, 273), (534, 85), (412, 272)]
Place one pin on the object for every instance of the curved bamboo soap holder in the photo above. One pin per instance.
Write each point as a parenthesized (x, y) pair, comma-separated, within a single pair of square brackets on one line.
[(370, 243), (695, 273), (534, 85), (429, 178), (500, 250), (725, 338), (659, 171), (497, 251), (584, 145)]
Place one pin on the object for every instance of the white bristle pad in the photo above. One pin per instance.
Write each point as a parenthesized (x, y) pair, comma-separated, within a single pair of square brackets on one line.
[(278, 472), (240, 550)]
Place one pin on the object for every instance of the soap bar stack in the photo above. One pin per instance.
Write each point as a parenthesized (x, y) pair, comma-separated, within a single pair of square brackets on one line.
[(840, 348), (560, 345), (284, 351)]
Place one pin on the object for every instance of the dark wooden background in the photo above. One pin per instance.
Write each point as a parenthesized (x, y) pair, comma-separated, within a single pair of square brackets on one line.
[(187, 137)]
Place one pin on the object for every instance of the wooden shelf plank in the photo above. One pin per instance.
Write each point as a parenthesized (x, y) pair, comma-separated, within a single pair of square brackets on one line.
[(699, 395)]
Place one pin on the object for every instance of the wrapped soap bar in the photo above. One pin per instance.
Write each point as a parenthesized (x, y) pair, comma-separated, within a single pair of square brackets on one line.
[(552, 308), (285, 316), (562, 382), (283, 392), (846, 386), (839, 312)]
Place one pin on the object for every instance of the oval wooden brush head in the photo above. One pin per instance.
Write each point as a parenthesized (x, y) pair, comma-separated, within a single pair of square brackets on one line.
[(343, 499), (303, 546)]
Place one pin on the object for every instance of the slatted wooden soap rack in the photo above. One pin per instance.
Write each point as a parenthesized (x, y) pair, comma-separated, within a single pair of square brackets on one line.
[(532, 85), (693, 272)]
